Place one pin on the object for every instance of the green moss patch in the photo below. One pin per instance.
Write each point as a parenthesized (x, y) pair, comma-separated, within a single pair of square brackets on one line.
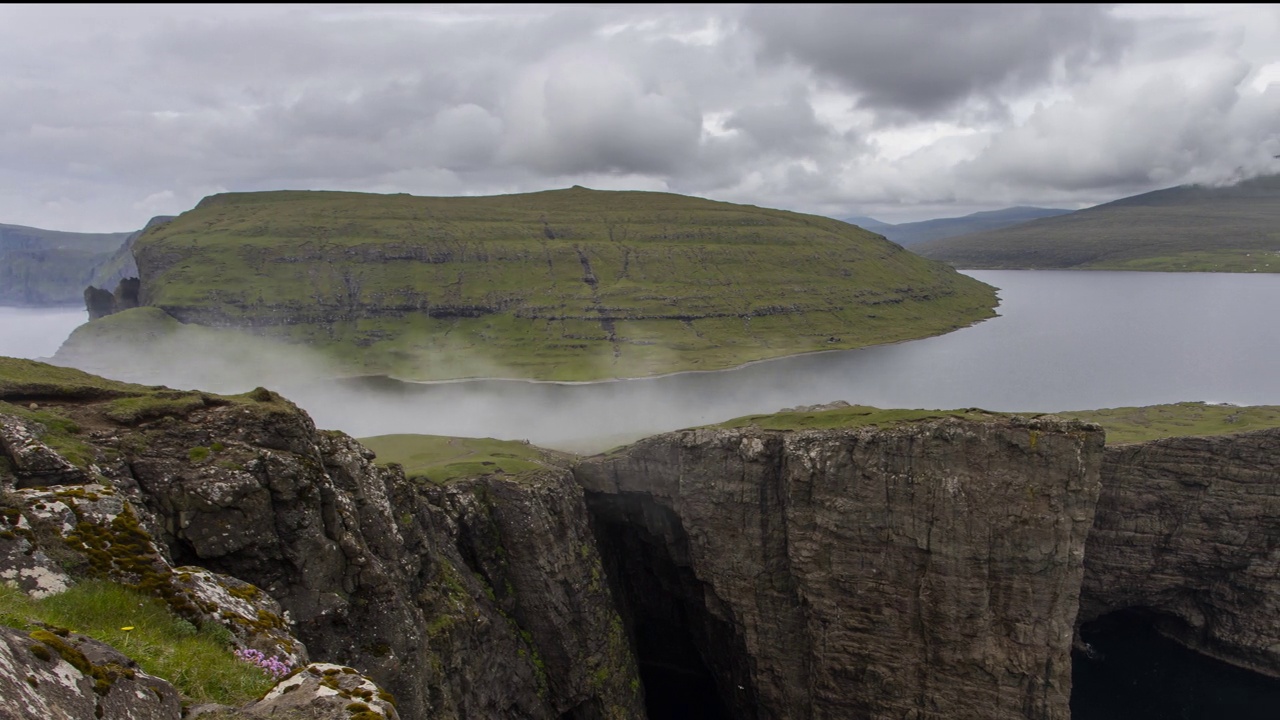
[(439, 458)]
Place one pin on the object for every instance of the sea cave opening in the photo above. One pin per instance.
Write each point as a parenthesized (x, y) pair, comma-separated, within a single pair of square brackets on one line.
[(1125, 668), (691, 662)]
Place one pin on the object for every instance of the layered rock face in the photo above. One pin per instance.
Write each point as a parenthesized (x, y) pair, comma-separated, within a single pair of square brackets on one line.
[(929, 570), (481, 599), (1188, 530)]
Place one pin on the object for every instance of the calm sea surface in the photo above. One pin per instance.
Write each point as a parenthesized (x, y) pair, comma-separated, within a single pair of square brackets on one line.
[(1064, 341)]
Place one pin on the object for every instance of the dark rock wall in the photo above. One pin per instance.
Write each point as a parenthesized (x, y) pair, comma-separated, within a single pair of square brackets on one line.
[(1188, 529), (924, 571)]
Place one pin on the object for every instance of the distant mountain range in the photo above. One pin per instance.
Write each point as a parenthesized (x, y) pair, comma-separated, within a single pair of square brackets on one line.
[(1234, 228), (47, 267), (51, 267), (907, 234)]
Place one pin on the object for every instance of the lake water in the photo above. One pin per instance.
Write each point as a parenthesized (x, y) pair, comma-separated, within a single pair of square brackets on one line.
[(1065, 340), (36, 332)]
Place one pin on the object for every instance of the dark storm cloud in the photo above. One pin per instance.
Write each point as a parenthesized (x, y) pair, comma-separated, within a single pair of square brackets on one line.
[(926, 59), (787, 124)]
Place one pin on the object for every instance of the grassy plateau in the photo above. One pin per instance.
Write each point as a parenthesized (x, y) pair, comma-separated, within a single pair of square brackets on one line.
[(439, 459), (1122, 425), (569, 284)]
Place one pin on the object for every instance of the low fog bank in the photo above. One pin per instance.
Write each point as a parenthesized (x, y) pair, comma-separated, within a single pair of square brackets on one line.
[(36, 333)]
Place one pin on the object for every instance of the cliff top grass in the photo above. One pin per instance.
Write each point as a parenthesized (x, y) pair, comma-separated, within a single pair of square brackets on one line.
[(848, 416), (572, 284), (1139, 424), (1122, 425), (439, 459), (199, 663), (68, 402), (1189, 228)]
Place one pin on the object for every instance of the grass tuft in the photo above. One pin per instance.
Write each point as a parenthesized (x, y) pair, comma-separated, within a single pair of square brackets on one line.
[(199, 664)]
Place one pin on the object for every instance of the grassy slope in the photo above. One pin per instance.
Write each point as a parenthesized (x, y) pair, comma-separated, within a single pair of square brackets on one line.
[(385, 283), (69, 403), (1122, 425), (439, 458), (47, 267), (851, 416), (1125, 425), (200, 663), (1190, 228)]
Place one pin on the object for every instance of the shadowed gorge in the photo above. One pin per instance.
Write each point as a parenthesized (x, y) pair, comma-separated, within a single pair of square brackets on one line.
[(690, 658), (1129, 670)]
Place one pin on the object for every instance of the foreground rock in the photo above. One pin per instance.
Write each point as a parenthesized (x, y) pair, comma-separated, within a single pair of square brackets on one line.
[(47, 676), (1188, 533), (483, 599), (929, 570)]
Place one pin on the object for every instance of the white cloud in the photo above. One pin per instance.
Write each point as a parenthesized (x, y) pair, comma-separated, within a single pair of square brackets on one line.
[(115, 113)]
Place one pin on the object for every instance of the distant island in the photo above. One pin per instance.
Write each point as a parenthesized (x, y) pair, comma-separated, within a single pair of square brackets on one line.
[(572, 284), (1187, 228)]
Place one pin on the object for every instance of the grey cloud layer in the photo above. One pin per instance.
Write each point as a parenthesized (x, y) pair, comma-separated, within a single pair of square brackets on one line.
[(924, 60), (117, 113)]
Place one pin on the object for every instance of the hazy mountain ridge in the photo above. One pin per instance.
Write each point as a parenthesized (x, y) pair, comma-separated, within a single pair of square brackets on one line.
[(50, 267), (908, 234), (1186, 228)]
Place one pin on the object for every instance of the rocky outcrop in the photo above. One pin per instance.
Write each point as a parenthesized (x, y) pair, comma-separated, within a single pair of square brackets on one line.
[(101, 303), (928, 571), (481, 599), (320, 691), (32, 462), (64, 676), (1188, 532)]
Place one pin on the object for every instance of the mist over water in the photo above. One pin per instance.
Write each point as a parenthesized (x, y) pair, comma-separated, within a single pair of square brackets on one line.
[(1064, 341), (37, 332)]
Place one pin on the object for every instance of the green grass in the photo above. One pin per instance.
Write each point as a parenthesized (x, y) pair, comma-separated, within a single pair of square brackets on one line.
[(851, 416), (27, 379), (439, 458), (1190, 228), (1138, 424), (172, 403), (199, 663), (66, 400), (1122, 425), (562, 285), (62, 433)]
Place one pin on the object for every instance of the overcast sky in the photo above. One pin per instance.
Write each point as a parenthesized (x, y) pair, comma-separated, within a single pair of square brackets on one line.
[(110, 115)]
